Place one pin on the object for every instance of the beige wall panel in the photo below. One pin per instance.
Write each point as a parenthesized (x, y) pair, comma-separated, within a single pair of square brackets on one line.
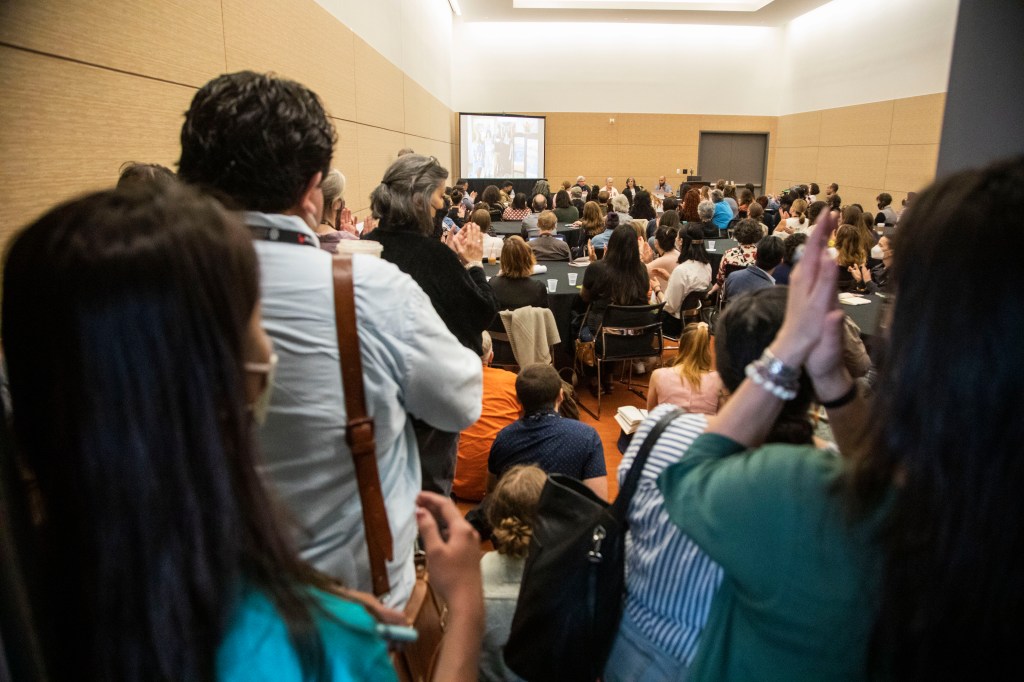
[(918, 120), (910, 167), (380, 89), (740, 124), (377, 149), (798, 130), (430, 147), (425, 115), (176, 40), (346, 159), (865, 196), (863, 124), (581, 129), (797, 162), (596, 157), (859, 166), (66, 128), (657, 129), (648, 162), (297, 39)]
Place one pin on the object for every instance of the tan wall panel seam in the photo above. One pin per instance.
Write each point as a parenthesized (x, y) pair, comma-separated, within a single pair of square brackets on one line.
[(96, 66), (390, 130)]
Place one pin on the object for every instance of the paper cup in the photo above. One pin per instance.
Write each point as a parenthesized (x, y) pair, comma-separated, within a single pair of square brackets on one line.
[(572, 279), (552, 285), (370, 247), (711, 245)]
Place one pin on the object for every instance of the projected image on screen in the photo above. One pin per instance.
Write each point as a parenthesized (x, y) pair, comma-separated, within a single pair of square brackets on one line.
[(502, 146)]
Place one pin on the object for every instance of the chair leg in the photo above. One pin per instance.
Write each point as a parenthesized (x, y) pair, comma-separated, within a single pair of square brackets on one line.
[(599, 390)]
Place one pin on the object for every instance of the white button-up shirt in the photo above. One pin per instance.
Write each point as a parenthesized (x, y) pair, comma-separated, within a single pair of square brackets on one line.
[(412, 365)]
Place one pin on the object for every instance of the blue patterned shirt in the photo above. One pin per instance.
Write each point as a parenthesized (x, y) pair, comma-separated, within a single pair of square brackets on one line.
[(555, 444)]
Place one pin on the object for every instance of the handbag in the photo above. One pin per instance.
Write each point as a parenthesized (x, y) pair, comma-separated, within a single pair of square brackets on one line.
[(414, 661), (585, 342), (571, 597)]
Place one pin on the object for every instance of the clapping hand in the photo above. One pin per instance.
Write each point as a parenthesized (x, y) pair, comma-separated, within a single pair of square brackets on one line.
[(345, 223), (468, 244)]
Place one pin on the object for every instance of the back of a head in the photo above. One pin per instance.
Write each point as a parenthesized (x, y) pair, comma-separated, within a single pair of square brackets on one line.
[(747, 231), (519, 201), (593, 219), (799, 210), (491, 195), (770, 251), (562, 199), (602, 197), (125, 317), (670, 204), (790, 244), (333, 187), (754, 211), (255, 140), (706, 210), (482, 218), (669, 219), (744, 330), (133, 173), (620, 203), (547, 221), (405, 150), (665, 236), (402, 200), (486, 346), (512, 509), (717, 195), (946, 410), (851, 215), (517, 259), (540, 202), (537, 387), (815, 209)]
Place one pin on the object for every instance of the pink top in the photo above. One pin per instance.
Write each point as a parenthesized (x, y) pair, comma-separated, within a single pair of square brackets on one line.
[(672, 388)]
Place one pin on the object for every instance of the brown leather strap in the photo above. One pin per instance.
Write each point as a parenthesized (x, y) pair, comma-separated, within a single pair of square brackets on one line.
[(359, 429)]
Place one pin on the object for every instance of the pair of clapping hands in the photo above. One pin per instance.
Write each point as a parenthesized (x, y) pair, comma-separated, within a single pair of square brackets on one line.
[(347, 223), (467, 243)]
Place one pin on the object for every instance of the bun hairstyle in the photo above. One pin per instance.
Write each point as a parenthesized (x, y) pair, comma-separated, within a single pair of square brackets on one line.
[(512, 509)]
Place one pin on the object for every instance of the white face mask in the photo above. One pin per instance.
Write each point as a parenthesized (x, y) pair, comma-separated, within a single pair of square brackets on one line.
[(261, 404), (876, 252)]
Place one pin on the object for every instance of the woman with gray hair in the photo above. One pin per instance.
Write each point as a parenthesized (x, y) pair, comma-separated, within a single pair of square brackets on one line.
[(706, 212), (451, 276), (335, 219)]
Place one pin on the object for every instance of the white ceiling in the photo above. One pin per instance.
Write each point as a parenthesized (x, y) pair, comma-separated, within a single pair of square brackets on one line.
[(735, 12)]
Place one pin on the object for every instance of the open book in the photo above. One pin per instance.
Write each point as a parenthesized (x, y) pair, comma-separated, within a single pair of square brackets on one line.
[(629, 418)]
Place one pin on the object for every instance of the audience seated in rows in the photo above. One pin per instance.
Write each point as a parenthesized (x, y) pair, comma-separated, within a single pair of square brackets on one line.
[(692, 273), (758, 275), (747, 234)]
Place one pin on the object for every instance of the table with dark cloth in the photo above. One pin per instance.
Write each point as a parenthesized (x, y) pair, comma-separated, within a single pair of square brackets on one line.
[(505, 228), (560, 302), (715, 257)]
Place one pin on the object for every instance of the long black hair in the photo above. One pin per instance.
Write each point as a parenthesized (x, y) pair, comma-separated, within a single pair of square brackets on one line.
[(950, 434), (630, 281), (125, 315), (693, 244), (642, 207)]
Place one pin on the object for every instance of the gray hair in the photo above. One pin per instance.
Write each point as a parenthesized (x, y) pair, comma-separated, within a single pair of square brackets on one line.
[(333, 187), (541, 187), (716, 196), (486, 344), (706, 210), (620, 203), (402, 200), (576, 191)]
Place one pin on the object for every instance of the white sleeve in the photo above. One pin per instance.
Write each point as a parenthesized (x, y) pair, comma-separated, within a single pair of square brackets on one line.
[(674, 291)]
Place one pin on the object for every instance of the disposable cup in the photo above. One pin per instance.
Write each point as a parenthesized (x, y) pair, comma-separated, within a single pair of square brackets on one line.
[(572, 279), (368, 246), (552, 285), (711, 245)]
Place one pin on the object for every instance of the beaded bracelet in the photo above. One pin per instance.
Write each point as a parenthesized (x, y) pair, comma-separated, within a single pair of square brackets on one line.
[(772, 375)]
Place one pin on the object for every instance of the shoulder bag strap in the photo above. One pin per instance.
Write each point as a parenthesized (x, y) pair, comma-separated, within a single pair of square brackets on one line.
[(359, 428), (621, 504)]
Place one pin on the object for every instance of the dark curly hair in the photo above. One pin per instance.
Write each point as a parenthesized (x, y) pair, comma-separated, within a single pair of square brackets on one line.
[(255, 140)]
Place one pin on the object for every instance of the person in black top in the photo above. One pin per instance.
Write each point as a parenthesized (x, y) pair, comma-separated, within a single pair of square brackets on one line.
[(451, 276)]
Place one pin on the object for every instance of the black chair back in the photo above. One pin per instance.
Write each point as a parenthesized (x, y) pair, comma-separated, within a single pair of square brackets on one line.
[(631, 332)]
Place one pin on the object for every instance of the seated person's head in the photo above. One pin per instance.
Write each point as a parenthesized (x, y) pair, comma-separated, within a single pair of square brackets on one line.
[(706, 210), (770, 251), (791, 244), (744, 330), (611, 221), (538, 388), (482, 218), (519, 201), (491, 195), (506, 186), (512, 509), (755, 211), (562, 199), (670, 204), (540, 202), (884, 199), (717, 195), (815, 209), (620, 203), (547, 221), (665, 238), (851, 215), (669, 219), (575, 192), (602, 197), (133, 173), (226, 148), (747, 231), (333, 188), (517, 259)]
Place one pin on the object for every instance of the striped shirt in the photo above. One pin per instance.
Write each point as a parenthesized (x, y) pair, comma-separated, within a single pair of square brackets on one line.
[(670, 582)]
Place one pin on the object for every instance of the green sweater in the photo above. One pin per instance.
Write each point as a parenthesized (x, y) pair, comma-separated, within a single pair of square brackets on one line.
[(798, 598)]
